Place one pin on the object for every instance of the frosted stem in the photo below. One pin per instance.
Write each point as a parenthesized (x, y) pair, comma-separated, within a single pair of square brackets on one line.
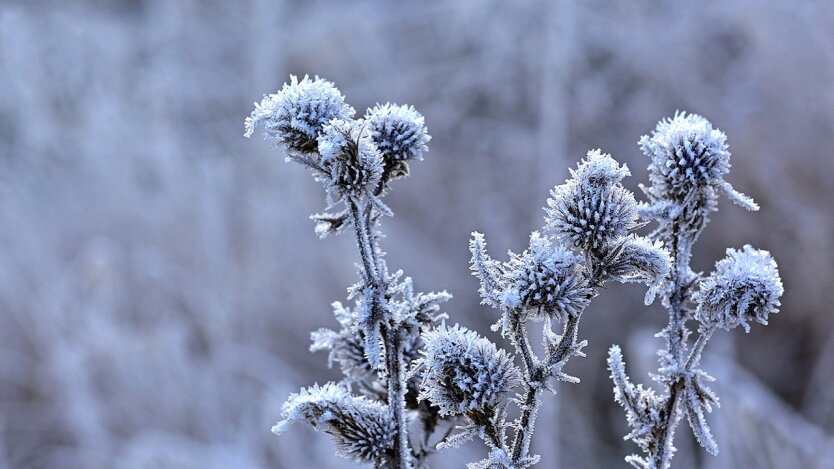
[(393, 340)]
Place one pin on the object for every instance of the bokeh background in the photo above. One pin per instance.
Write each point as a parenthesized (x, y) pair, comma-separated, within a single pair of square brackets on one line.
[(159, 277)]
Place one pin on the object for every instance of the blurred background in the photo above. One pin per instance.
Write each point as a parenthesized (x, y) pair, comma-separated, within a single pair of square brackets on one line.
[(159, 277)]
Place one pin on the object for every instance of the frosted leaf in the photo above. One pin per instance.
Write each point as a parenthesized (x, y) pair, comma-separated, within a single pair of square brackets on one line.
[(350, 158), (642, 407), (696, 400), (639, 259), (345, 347), (487, 270), (464, 372), (545, 280), (456, 440), (361, 428), (296, 115), (399, 131), (592, 208), (330, 223), (744, 287)]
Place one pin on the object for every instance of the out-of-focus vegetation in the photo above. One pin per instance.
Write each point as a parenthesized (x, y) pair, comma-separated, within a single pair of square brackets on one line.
[(158, 282)]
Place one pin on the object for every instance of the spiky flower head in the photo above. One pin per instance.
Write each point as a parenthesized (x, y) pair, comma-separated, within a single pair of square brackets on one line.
[(545, 280), (592, 208), (745, 286), (361, 428), (399, 131), (689, 159), (295, 115), (350, 158), (463, 372)]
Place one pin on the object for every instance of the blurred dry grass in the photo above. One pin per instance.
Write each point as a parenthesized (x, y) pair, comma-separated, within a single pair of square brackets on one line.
[(159, 278)]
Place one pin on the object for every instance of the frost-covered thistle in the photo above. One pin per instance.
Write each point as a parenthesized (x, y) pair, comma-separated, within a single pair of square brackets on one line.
[(465, 373), (361, 428), (744, 287), (350, 157), (589, 221), (689, 159), (380, 338), (399, 131), (295, 116), (593, 208)]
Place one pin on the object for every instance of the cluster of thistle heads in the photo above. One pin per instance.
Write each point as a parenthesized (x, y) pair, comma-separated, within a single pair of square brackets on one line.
[(588, 238), (352, 157)]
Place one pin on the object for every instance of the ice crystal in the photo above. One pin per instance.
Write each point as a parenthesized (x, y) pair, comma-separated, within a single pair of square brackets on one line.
[(592, 208), (296, 114), (464, 372), (744, 287), (361, 428)]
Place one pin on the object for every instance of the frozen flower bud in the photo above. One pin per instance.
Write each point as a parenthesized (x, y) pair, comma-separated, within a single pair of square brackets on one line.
[(399, 131), (350, 157), (546, 280), (745, 286), (463, 372), (592, 208), (296, 115), (361, 428), (689, 156)]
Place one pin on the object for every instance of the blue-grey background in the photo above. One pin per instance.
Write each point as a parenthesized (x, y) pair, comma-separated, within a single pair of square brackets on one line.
[(159, 276)]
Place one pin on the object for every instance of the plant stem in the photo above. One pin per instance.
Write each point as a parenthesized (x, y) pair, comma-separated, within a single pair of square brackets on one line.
[(676, 338), (391, 334)]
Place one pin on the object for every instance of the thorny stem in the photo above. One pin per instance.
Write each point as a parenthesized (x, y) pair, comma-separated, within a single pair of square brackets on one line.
[(393, 339), (676, 344), (537, 375)]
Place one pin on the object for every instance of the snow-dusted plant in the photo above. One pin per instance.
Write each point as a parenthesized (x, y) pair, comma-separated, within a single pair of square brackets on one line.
[(689, 159), (587, 241), (369, 412)]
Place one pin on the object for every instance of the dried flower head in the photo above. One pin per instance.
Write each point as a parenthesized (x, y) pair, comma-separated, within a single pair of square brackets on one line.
[(296, 115), (745, 286), (689, 159), (545, 280), (361, 428), (592, 208), (464, 372), (399, 131), (350, 157)]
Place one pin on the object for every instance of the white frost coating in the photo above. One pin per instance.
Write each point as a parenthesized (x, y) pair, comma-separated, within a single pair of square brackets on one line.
[(744, 287), (592, 208), (399, 131), (463, 372)]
